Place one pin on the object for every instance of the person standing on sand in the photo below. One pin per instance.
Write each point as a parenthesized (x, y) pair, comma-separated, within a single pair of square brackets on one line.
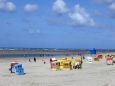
[(83, 57), (50, 60), (34, 59), (29, 60)]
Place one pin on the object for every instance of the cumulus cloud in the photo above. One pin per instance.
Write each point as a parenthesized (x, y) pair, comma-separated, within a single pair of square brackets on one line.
[(80, 17), (112, 10), (59, 7), (5, 5), (31, 7)]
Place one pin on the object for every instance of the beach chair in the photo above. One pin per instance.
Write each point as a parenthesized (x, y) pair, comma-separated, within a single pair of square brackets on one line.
[(89, 59), (96, 59), (109, 61), (78, 63), (67, 65), (12, 69), (113, 59), (69, 59), (99, 56), (18, 69), (53, 65), (62, 62)]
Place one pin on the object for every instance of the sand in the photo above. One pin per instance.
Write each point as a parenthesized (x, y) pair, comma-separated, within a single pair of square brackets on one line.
[(39, 74)]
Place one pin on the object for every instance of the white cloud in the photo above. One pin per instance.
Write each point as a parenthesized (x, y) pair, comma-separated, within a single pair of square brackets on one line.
[(59, 7), (112, 6), (5, 5), (31, 7), (80, 17), (10, 6), (112, 10)]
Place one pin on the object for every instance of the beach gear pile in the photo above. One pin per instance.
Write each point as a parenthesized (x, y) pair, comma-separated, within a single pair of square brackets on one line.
[(16, 68)]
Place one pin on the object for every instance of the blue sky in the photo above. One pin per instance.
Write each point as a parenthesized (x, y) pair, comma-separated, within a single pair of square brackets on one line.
[(57, 23)]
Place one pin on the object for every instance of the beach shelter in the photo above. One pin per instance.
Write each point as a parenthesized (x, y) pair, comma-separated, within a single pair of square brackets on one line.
[(12, 69), (99, 56), (109, 61), (65, 64), (54, 64), (78, 63), (96, 59), (18, 69), (92, 51), (53, 59), (113, 60)]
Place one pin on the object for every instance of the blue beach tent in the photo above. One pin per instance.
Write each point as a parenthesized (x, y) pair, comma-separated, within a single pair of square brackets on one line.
[(92, 51)]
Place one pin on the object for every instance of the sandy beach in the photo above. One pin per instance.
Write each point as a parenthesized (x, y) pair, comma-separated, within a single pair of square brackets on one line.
[(39, 74)]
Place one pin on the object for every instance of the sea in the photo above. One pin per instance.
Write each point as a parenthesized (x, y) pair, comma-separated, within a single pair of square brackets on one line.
[(46, 52)]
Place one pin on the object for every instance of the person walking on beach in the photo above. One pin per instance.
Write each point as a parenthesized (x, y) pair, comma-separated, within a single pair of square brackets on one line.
[(34, 59), (44, 62), (83, 57), (11, 69), (29, 60)]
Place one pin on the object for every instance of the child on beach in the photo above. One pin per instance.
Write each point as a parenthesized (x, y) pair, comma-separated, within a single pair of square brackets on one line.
[(44, 61)]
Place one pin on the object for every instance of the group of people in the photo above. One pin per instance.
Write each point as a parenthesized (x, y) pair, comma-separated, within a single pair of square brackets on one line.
[(33, 59)]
